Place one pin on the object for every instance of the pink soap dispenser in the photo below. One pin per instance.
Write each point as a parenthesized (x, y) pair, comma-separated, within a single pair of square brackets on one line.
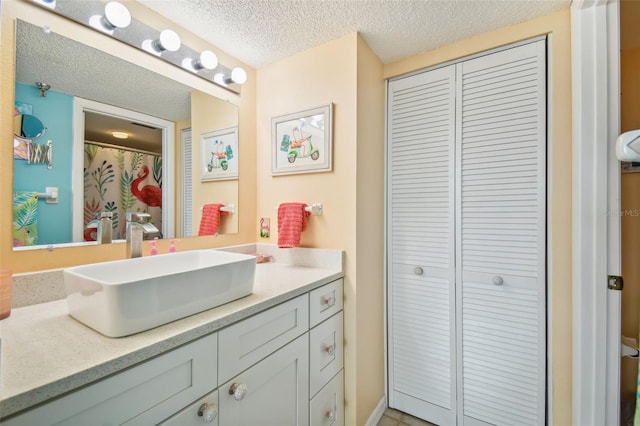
[(172, 247), (154, 249)]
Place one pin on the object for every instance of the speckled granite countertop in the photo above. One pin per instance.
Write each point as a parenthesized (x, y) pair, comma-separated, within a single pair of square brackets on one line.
[(46, 353)]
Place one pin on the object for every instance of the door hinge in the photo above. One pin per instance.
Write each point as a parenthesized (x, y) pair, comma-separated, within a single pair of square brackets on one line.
[(615, 282)]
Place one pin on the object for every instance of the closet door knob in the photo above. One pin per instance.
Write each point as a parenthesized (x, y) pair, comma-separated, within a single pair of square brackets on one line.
[(497, 280), (418, 270)]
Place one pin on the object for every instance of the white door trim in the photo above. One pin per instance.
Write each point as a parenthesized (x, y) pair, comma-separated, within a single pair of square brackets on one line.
[(81, 105), (595, 88)]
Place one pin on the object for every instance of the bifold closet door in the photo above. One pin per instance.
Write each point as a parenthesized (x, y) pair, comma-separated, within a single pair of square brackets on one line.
[(466, 236), (501, 237), (421, 296)]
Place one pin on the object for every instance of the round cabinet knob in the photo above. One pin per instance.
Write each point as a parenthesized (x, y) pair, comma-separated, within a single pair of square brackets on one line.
[(208, 412), (238, 390), (331, 415), (497, 280), (418, 270), (330, 349)]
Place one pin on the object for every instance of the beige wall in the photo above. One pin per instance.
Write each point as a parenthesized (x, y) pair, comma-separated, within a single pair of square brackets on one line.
[(630, 220), (41, 259), (346, 73), (559, 171), (209, 114)]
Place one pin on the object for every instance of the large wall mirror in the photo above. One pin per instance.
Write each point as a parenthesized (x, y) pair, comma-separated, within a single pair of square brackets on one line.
[(120, 138)]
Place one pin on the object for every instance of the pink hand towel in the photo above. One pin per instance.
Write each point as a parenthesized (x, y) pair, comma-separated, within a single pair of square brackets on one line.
[(210, 219), (292, 220)]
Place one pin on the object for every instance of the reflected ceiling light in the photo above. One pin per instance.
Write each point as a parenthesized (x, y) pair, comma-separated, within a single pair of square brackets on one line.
[(169, 40), (116, 15), (208, 60), (120, 135)]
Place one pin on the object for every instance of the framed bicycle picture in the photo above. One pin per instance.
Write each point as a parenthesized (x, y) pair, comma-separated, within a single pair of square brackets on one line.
[(301, 141)]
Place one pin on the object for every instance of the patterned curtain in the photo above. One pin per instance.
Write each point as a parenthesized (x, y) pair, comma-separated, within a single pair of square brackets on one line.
[(120, 181)]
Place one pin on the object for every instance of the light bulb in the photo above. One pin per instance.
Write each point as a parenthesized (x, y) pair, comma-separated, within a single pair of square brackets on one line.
[(208, 60), (169, 40), (51, 4), (238, 75), (116, 15)]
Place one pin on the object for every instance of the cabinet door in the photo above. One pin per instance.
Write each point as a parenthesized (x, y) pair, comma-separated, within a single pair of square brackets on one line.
[(325, 352), (274, 392), (327, 407), (501, 236), (248, 341), (145, 394), (421, 294)]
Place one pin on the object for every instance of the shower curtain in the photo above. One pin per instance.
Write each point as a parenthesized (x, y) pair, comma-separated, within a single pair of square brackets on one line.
[(120, 181)]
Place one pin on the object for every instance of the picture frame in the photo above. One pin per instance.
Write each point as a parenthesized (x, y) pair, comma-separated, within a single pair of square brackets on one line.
[(301, 142), (219, 154)]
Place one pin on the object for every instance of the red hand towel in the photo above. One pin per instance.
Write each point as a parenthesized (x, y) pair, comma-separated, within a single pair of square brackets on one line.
[(292, 220), (210, 219)]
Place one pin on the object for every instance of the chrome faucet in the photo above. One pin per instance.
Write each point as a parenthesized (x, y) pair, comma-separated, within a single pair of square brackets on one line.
[(138, 229)]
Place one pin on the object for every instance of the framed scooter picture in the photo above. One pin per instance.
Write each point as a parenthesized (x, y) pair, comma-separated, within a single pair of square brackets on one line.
[(219, 154), (301, 141)]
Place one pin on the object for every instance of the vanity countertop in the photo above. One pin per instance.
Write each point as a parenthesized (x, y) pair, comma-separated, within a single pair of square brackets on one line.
[(46, 353)]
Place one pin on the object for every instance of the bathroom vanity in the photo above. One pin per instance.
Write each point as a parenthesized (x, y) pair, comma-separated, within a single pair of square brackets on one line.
[(274, 357)]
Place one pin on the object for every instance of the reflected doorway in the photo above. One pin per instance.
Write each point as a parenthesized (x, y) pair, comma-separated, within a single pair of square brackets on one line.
[(121, 174)]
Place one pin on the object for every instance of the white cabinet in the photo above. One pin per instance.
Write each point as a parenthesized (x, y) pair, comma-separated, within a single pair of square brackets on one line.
[(250, 340), (466, 236), (273, 392), (145, 394), (265, 370), (327, 407)]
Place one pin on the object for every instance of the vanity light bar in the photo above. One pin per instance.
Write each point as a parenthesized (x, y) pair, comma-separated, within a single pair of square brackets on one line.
[(165, 44)]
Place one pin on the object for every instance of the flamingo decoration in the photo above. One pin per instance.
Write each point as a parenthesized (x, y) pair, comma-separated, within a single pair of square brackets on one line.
[(148, 194)]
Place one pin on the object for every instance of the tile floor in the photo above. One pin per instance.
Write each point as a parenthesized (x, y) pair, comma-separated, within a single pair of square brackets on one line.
[(392, 417)]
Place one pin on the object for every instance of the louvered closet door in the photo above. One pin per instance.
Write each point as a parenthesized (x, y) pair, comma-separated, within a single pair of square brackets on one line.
[(421, 295), (500, 180)]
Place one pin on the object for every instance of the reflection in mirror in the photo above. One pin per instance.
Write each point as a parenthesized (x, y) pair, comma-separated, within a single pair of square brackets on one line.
[(93, 95), (27, 126)]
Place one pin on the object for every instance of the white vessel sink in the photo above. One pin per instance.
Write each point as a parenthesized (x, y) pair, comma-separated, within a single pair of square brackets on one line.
[(128, 296)]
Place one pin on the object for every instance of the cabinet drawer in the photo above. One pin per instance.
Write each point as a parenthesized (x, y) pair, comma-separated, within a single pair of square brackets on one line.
[(195, 414), (142, 395), (274, 392), (325, 352), (247, 342), (327, 407), (325, 301)]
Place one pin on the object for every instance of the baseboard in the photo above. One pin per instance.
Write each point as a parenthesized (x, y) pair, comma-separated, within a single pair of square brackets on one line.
[(378, 412)]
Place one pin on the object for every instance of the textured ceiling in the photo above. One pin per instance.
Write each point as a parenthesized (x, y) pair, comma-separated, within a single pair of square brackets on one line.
[(259, 32)]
